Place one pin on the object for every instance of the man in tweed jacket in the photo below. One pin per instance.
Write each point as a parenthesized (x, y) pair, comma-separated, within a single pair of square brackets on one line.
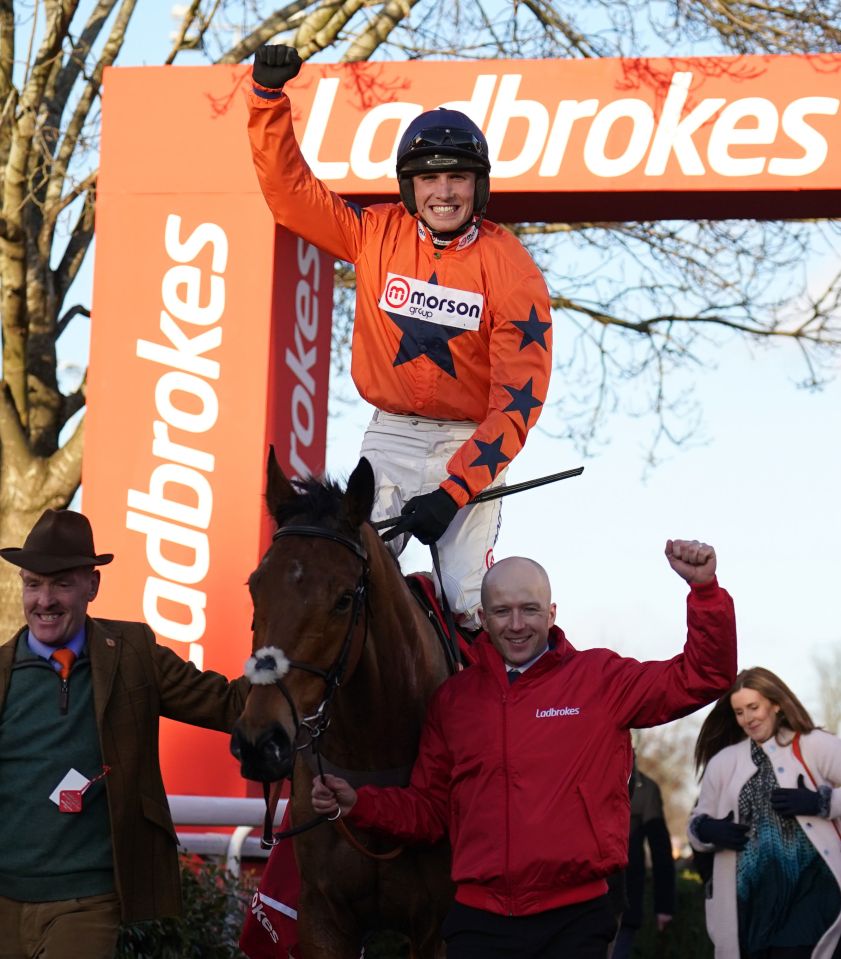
[(68, 876)]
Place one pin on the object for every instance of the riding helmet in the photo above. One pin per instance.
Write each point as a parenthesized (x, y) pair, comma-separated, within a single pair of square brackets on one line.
[(438, 141)]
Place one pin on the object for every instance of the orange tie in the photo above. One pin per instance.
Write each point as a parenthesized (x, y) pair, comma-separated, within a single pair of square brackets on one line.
[(65, 658)]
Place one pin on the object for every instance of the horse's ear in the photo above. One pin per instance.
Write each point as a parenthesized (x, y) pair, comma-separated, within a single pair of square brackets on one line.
[(359, 495), (278, 488)]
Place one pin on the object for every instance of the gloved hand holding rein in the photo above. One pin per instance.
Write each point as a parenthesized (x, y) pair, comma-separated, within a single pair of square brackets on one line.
[(426, 517)]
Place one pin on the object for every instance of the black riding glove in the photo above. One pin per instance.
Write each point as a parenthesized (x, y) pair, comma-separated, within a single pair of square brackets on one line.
[(723, 833), (801, 801), (426, 517), (274, 65)]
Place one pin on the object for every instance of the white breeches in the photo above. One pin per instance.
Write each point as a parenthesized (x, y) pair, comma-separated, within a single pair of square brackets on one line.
[(409, 455)]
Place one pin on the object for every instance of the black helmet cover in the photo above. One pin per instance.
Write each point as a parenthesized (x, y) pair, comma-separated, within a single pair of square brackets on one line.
[(438, 141)]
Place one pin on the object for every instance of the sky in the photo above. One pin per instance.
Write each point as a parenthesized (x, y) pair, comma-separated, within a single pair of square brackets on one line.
[(764, 491)]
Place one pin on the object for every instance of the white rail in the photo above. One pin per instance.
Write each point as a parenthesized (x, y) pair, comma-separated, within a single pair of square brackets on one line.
[(244, 814)]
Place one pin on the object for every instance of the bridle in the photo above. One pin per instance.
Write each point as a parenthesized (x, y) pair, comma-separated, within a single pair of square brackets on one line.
[(318, 721), (266, 661)]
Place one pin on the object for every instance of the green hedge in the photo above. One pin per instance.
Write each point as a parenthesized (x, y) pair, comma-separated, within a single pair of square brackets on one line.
[(214, 909), (215, 905), (686, 936)]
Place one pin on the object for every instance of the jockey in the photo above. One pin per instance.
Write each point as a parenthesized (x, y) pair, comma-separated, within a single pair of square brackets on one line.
[(452, 332)]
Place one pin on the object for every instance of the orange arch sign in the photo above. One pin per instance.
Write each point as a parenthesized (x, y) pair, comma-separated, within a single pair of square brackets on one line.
[(598, 139), (211, 328)]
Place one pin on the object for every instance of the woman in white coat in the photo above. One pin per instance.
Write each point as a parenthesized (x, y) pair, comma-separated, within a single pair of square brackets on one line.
[(768, 808)]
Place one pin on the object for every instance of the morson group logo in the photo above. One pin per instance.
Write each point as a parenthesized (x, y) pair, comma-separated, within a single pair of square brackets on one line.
[(431, 302), (745, 136)]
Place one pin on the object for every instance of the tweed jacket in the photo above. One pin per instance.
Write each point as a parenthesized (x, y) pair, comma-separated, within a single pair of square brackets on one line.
[(135, 682)]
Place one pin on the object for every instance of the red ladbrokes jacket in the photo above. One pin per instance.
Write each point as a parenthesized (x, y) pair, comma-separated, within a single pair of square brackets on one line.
[(530, 781), (462, 333)]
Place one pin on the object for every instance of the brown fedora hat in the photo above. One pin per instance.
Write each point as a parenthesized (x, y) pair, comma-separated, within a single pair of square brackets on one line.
[(61, 539)]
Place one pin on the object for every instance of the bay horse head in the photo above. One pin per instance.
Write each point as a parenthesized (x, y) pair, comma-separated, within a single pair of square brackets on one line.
[(310, 622)]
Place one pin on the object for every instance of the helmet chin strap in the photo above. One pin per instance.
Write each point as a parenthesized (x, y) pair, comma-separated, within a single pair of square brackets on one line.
[(445, 236)]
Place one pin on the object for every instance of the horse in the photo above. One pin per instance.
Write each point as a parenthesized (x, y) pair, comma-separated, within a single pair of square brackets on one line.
[(363, 662)]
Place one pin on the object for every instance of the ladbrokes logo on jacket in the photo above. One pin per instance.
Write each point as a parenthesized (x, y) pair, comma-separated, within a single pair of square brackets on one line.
[(552, 712)]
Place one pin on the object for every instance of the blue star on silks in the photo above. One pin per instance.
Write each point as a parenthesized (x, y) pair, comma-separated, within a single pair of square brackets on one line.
[(522, 401), (533, 330), (421, 338), (491, 455)]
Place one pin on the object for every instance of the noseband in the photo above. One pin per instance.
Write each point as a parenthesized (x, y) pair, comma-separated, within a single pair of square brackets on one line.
[(269, 666)]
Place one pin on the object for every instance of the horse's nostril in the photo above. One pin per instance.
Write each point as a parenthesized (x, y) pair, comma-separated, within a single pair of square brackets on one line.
[(269, 759)]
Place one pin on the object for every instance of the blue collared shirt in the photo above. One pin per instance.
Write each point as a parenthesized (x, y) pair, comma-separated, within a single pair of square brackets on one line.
[(524, 666), (77, 644)]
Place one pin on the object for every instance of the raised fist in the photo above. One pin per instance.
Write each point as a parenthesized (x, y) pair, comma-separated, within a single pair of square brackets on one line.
[(274, 65), (693, 561)]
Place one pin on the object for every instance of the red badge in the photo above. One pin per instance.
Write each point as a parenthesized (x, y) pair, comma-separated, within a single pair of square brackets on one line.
[(70, 800)]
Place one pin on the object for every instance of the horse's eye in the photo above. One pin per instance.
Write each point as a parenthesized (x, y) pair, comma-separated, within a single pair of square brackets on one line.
[(344, 602)]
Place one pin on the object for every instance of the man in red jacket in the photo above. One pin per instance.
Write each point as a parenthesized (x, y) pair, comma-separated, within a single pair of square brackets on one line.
[(524, 763), (452, 332)]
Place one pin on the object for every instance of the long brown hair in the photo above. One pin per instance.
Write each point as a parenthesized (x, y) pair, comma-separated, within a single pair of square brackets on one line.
[(720, 728)]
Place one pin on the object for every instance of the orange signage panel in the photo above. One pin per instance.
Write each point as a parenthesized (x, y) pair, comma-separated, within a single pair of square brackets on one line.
[(755, 136), (610, 139), (210, 339), (597, 138)]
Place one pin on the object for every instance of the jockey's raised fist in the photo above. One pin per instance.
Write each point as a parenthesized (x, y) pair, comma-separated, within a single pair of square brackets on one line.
[(274, 65)]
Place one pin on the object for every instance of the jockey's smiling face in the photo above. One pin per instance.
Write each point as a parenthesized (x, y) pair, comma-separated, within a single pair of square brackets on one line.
[(445, 200)]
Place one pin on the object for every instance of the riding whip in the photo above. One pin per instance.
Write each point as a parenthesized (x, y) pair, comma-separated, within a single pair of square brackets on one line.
[(499, 491)]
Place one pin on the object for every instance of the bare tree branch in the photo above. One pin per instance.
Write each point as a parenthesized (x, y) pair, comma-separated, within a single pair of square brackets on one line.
[(56, 208), (278, 22), (828, 667), (379, 30), (69, 316), (553, 23), (12, 435), (64, 468), (74, 65), (59, 16), (202, 22), (89, 94), (665, 754), (77, 246), (323, 37), (187, 21), (7, 47)]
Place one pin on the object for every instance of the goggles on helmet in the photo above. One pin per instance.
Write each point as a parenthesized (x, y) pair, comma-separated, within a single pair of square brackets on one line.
[(447, 137)]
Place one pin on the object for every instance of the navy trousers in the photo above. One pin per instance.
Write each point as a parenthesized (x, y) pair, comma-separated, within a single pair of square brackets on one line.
[(583, 930)]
